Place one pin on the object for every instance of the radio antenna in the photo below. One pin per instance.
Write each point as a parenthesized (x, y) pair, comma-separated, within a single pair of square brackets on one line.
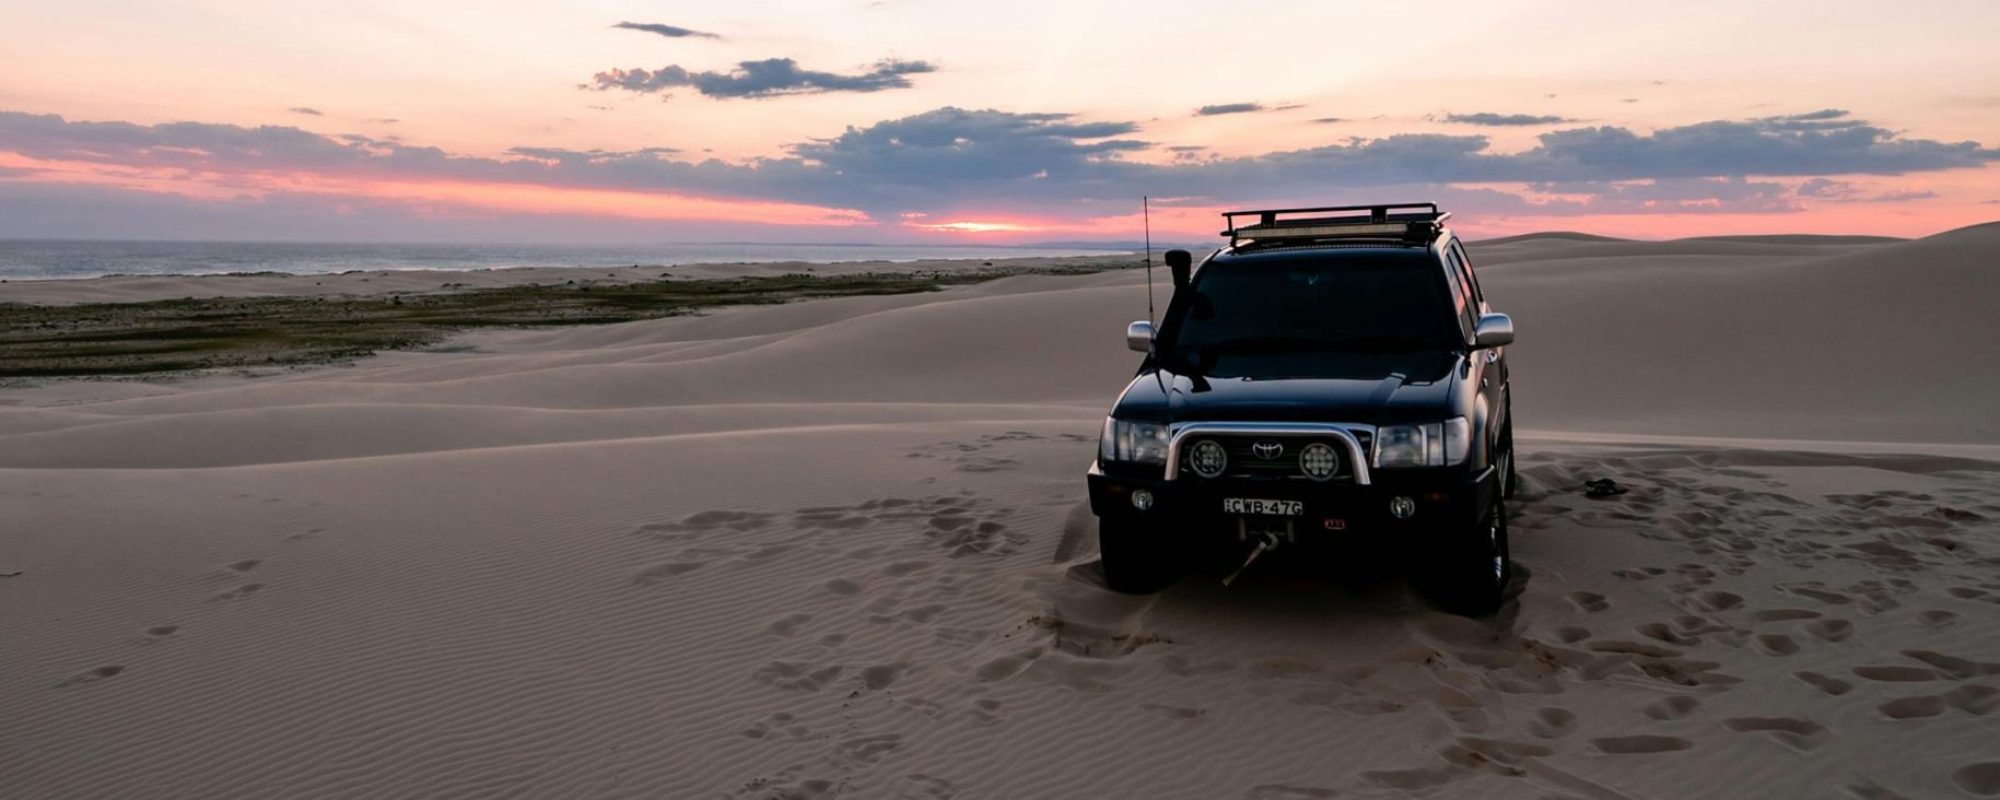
[(1146, 214)]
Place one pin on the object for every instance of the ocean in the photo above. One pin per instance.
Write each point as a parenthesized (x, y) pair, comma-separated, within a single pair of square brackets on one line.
[(25, 259)]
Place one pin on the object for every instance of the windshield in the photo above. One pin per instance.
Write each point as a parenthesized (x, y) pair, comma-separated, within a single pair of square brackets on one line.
[(1281, 309)]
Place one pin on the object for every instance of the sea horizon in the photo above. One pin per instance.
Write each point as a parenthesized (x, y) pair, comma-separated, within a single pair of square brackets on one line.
[(70, 259)]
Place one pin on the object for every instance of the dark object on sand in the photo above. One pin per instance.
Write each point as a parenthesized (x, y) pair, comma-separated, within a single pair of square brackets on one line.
[(1332, 379), (1603, 488)]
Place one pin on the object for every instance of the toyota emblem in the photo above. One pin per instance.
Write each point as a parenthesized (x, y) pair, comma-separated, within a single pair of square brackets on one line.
[(1267, 450)]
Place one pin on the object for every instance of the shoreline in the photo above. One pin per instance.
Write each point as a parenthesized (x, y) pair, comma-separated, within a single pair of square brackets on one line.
[(373, 283)]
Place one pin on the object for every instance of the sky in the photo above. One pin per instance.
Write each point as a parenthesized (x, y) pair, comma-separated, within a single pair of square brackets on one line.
[(909, 121)]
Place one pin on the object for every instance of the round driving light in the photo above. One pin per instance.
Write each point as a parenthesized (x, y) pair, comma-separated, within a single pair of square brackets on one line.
[(1318, 461), (1402, 507), (1207, 458), (1142, 499)]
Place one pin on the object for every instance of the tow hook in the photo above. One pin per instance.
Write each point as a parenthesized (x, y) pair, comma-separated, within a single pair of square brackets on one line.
[(1266, 542)]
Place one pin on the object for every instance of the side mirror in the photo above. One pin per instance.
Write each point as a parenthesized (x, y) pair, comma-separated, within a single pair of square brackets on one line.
[(1139, 336), (1495, 330), (1179, 262)]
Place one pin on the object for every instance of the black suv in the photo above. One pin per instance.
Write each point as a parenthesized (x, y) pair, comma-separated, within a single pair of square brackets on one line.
[(1332, 375)]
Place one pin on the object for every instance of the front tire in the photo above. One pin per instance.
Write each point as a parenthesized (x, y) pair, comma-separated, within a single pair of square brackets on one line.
[(1471, 568), (1137, 558), (1509, 481)]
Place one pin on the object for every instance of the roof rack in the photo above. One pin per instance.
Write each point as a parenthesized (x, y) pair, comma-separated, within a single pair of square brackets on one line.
[(1417, 225)]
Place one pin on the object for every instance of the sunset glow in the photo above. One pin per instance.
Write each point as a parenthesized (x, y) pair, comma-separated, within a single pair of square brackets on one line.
[(802, 117)]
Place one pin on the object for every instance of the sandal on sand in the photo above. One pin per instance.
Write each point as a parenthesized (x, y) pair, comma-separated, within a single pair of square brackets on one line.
[(1601, 488)]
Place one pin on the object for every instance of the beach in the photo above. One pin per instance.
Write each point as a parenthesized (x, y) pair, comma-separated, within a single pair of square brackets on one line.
[(840, 547)]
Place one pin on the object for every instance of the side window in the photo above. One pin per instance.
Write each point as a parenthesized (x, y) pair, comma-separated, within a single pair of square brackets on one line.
[(1472, 278), (1461, 298)]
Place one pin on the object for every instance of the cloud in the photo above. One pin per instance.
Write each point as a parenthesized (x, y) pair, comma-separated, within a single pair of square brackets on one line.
[(1846, 192), (669, 31), (1050, 164), (1228, 108), (1329, 120), (310, 112), (1679, 196), (1492, 119), (770, 77)]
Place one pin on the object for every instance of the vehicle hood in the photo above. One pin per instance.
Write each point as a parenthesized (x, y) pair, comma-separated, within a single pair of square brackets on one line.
[(1372, 388)]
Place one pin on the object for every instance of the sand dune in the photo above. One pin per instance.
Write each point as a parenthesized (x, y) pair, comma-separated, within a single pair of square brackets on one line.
[(838, 549)]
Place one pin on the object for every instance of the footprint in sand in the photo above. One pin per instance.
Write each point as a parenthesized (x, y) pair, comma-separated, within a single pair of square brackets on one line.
[(1913, 707), (870, 749), (91, 676), (788, 625), (244, 566), (1498, 755), (1937, 618), (779, 724), (1896, 674), (1953, 666), (987, 711), (1662, 632), (1829, 685), (1798, 734), (882, 676), (239, 592), (1551, 722), (1974, 699), (1830, 598), (1674, 707), (1830, 630), (1777, 644), (1590, 602), (1639, 745), (158, 632), (1979, 779), (1785, 614)]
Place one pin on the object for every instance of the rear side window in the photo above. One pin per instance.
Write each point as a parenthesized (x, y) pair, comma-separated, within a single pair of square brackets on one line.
[(1472, 278), (1462, 301)]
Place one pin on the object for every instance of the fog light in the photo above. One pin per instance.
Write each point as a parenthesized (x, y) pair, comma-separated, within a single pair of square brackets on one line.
[(1142, 499), (1400, 508)]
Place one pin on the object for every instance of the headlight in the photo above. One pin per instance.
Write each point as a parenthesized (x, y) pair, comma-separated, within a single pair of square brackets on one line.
[(1433, 444), (1133, 442)]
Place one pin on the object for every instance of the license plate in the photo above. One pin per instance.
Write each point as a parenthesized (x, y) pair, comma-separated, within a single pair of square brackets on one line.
[(1262, 508)]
